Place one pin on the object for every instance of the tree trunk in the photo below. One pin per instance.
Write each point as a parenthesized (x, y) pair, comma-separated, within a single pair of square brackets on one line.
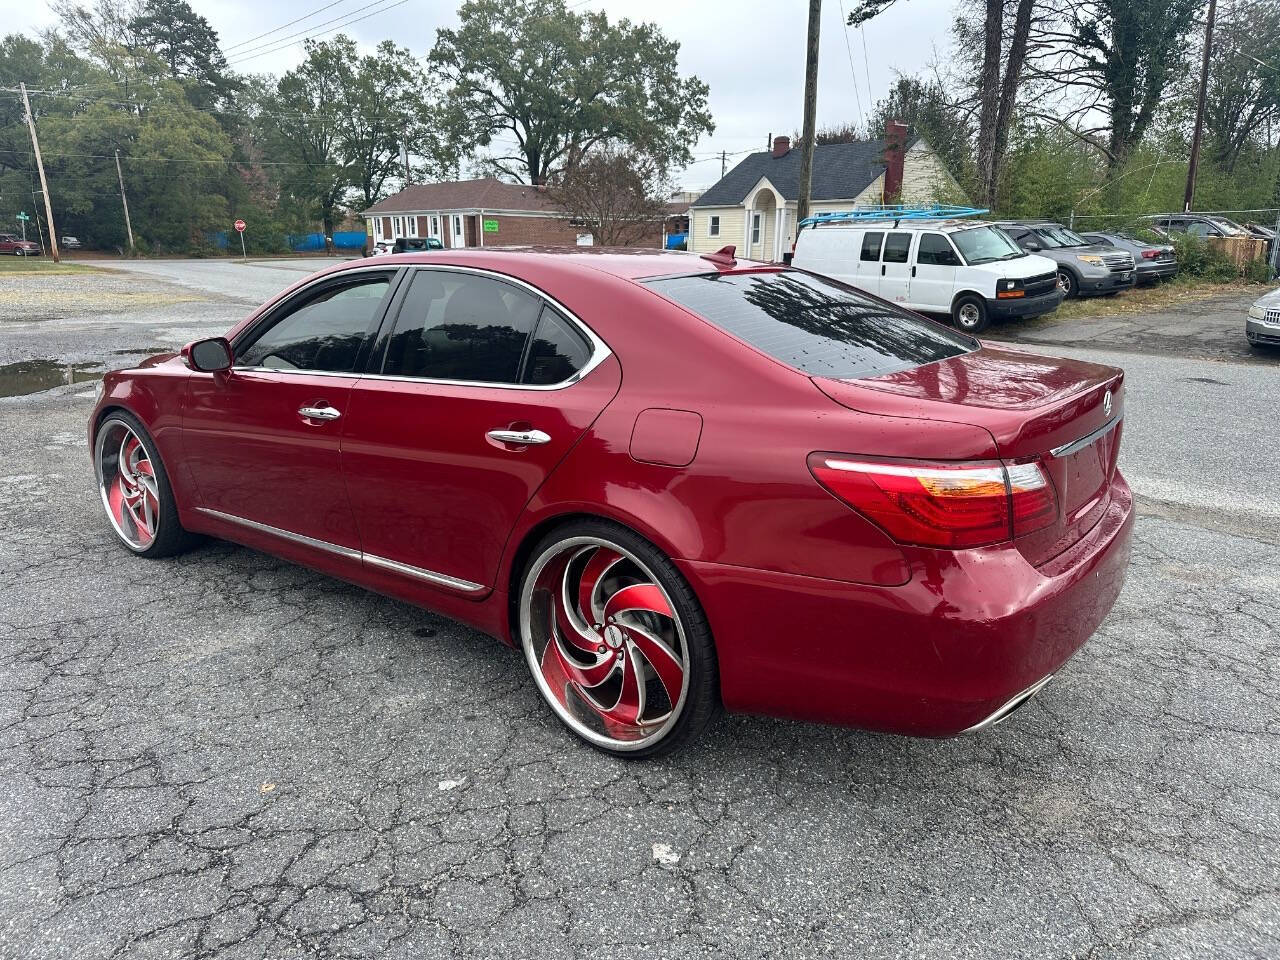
[(989, 102), (1009, 92), (328, 231)]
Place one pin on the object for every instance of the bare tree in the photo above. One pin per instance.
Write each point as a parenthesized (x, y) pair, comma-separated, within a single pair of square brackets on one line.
[(616, 193)]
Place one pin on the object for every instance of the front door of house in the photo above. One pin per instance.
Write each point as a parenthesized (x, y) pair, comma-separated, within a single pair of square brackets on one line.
[(457, 232)]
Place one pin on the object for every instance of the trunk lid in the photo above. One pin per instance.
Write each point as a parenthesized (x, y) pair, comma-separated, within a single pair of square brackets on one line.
[(1064, 412)]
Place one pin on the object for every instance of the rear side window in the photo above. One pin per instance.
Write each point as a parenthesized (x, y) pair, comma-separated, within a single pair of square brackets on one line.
[(459, 326), (896, 246), (871, 245), (556, 353), (813, 324)]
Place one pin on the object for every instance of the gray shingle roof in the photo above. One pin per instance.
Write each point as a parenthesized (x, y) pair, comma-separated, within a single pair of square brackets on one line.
[(841, 171)]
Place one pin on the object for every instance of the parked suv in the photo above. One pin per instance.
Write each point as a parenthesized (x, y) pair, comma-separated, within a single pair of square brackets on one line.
[(1196, 225), (966, 268), (14, 245), (1084, 268)]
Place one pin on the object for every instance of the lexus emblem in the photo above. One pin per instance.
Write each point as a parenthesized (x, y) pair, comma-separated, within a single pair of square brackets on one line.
[(1106, 404)]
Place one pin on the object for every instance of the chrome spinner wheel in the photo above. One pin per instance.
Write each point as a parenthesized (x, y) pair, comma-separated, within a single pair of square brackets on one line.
[(605, 643), (128, 484)]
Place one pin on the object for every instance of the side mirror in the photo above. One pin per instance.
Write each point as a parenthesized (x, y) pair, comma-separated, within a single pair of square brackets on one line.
[(208, 356), (1031, 245)]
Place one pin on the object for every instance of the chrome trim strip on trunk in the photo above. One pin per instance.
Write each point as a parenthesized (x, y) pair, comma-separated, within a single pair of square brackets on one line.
[(1077, 445), (1008, 708), (430, 576)]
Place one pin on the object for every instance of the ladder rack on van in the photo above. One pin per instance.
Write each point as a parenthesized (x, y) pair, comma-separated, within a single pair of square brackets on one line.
[(895, 212)]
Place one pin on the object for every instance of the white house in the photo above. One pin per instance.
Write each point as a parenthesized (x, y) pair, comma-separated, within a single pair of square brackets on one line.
[(753, 206)]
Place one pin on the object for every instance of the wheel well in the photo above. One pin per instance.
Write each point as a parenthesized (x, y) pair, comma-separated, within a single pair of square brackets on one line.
[(102, 415), (963, 294), (522, 552)]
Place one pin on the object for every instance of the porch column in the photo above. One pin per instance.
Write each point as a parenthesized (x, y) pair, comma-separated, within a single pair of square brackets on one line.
[(779, 218), (746, 236)]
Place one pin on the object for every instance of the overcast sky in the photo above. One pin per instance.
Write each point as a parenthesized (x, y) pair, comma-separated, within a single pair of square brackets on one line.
[(751, 54)]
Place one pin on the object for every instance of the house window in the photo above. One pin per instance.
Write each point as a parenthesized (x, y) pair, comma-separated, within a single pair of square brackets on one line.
[(435, 226), (713, 227), (755, 229), (410, 226)]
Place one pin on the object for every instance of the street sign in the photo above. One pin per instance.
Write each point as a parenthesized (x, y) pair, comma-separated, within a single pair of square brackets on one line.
[(23, 216), (239, 225)]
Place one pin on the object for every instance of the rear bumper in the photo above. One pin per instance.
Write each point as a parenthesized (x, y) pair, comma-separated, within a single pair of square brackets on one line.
[(1111, 282), (1024, 306), (1150, 272), (967, 636)]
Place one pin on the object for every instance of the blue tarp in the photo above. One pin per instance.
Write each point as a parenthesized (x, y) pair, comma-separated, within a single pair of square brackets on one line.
[(342, 239), (677, 241)]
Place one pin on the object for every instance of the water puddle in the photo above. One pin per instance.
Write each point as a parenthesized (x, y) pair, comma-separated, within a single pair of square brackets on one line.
[(31, 376), (142, 352)]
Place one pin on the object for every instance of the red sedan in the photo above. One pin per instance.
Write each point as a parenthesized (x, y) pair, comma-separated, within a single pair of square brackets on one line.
[(674, 481)]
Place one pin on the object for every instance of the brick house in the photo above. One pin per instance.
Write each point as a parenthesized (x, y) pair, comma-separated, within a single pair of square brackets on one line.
[(754, 205), (478, 213)]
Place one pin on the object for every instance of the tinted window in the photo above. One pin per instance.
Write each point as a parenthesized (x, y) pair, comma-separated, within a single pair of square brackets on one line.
[(896, 246), (458, 326), (556, 352), (871, 245), (324, 333), (813, 324), (936, 251)]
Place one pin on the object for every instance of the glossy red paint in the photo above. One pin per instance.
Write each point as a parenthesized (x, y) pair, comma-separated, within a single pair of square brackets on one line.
[(816, 611)]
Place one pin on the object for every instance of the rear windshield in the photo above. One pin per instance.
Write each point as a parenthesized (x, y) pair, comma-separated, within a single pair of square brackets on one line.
[(820, 327)]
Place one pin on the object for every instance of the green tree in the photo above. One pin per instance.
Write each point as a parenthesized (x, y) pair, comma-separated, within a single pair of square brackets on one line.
[(1244, 78), (188, 47), (561, 83), (923, 106)]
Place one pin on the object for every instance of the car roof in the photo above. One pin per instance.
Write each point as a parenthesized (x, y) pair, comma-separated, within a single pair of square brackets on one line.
[(951, 225), (629, 263)]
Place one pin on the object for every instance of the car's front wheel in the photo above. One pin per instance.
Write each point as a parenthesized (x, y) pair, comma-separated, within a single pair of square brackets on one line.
[(135, 488), (969, 313), (1067, 281), (616, 640)]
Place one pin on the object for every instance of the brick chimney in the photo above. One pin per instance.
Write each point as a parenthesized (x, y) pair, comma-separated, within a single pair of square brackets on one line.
[(781, 146), (895, 145)]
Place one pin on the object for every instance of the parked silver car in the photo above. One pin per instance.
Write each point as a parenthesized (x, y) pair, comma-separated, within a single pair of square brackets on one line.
[(1263, 324), (1155, 261), (1084, 269)]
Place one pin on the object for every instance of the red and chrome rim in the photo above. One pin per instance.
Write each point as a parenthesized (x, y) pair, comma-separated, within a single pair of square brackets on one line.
[(604, 642), (127, 480)]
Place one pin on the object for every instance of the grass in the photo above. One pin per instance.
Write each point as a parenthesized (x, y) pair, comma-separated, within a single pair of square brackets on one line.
[(11, 264), (1157, 296)]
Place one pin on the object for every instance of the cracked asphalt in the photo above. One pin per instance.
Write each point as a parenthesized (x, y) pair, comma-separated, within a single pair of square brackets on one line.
[(225, 755)]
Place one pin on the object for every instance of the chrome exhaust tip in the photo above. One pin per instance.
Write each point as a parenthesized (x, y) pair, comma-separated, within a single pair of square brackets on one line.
[(1008, 708)]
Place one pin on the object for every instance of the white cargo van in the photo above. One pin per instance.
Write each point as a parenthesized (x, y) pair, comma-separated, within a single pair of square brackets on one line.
[(969, 269)]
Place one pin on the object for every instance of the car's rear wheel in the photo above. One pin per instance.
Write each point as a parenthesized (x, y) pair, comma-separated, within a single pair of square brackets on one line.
[(135, 488), (17, 251), (969, 313), (616, 640)]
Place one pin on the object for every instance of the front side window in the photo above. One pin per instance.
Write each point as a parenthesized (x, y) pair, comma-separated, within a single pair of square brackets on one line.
[(936, 251), (713, 227), (896, 247), (323, 334), (459, 326), (871, 245), (813, 324)]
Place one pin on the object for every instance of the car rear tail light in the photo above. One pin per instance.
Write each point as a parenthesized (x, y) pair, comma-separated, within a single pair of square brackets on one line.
[(941, 504), (1150, 254)]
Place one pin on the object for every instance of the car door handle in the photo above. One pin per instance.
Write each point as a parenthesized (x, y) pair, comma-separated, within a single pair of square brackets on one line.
[(319, 413), (521, 437), (882, 269)]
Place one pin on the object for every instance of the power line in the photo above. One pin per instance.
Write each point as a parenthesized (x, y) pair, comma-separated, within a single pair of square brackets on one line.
[(128, 159), (866, 65), (853, 74), (283, 43), (243, 43)]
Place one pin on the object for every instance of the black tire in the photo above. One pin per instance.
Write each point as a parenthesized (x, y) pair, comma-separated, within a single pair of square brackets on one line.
[(1069, 283), (17, 251), (969, 313), (700, 703), (170, 537)]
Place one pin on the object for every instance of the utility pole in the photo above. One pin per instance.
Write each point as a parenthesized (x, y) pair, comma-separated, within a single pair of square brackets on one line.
[(124, 200), (1204, 87), (404, 155), (810, 109), (44, 184), (724, 163)]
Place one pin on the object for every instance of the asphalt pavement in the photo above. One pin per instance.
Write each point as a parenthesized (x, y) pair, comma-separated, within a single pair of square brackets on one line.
[(225, 755)]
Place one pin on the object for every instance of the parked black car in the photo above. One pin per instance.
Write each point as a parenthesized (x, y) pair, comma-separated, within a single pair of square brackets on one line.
[(1084, 268), (1196, 225), (1152, 261)]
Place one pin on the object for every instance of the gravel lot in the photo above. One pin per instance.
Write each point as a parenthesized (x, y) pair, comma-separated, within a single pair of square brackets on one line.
[(227, 755)]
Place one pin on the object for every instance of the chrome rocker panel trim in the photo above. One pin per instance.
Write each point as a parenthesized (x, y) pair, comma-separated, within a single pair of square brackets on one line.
[(408, 570)]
